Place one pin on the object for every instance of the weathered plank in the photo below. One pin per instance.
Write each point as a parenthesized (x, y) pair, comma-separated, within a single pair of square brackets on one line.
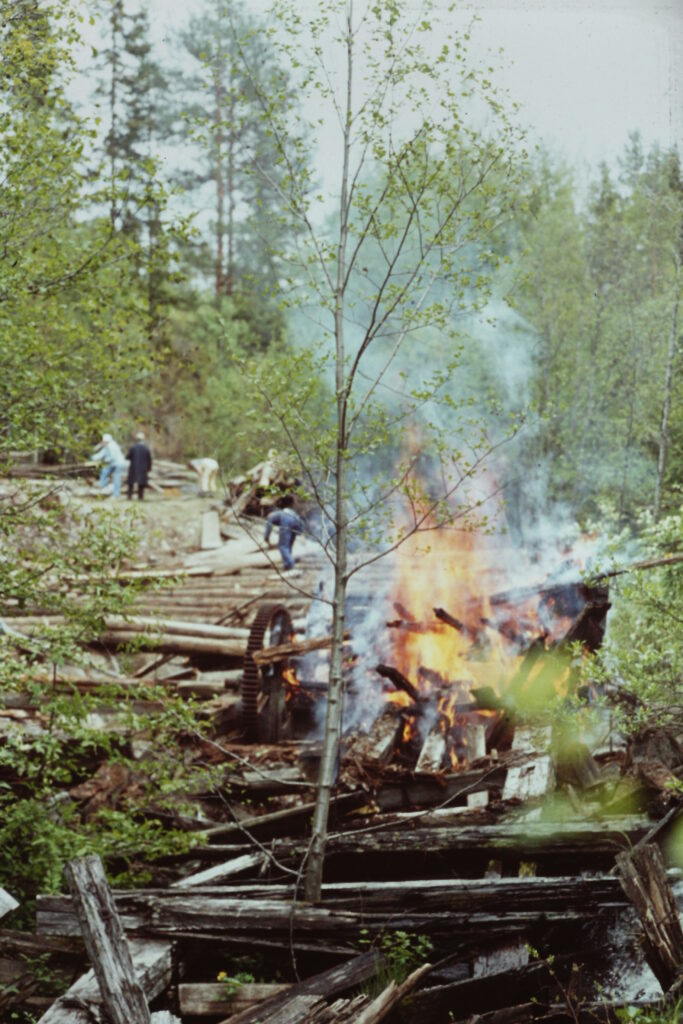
[(530, 780), (433, 751), (266, 915), (219, 872), (122, 994)]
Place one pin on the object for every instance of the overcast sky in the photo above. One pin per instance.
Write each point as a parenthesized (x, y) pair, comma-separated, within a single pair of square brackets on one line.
[(586, 73)]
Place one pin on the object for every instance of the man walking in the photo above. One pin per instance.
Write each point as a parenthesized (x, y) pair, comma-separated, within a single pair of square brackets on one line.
[(113, 463), (289, 525), (139, 465)]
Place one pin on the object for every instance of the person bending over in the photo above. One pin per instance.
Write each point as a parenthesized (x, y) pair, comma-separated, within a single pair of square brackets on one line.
[(289, 524)]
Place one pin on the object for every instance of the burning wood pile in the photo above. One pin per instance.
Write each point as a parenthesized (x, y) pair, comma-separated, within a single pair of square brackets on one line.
[(484, 859)]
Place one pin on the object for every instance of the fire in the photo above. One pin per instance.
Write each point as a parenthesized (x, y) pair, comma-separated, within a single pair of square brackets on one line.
[(462, 626), (443, 580), (293, 684)]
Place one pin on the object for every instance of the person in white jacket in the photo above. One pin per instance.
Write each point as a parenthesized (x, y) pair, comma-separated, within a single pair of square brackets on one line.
[(113, 463)]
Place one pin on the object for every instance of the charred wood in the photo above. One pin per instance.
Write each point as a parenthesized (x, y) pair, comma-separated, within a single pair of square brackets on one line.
[(400, 681)]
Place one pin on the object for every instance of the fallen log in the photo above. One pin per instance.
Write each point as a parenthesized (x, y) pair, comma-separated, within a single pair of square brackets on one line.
[(595, 844), (256, 910), (175, 626), (269, 825), (169, 643)]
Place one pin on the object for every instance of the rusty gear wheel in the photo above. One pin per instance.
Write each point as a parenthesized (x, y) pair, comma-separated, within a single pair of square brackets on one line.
[(272, 626)]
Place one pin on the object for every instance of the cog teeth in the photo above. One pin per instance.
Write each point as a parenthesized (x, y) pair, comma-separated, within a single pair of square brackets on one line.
[(252, 683)]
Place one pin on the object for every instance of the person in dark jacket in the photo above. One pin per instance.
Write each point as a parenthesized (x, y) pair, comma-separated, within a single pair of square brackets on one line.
[(140, 463), (289, 525)]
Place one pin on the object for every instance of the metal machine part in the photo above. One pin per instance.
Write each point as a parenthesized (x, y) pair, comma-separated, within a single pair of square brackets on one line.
[(264, 705)]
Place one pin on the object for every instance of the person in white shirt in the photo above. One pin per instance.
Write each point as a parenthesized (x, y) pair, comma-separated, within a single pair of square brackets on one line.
[(113, 463)]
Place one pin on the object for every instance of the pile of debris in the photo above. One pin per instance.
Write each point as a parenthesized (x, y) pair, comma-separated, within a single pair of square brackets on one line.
[(255, 493), (483, 882), (460, 821)]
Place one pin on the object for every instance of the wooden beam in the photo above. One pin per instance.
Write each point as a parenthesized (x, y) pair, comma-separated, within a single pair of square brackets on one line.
[(219, 872), (122, 994)]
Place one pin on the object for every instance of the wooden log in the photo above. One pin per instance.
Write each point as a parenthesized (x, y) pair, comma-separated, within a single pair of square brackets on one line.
[(643, 877), (210, 1000), (82, 1003), (595, 843), (283, 822), (176, 626), (122, 994), (462, 627), (329, 983), (169, 643)]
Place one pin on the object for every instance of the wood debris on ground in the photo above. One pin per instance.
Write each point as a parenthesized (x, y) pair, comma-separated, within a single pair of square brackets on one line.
[(455, 818)]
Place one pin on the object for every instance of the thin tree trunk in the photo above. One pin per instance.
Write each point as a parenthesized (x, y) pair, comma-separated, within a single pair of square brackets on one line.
[(635, 374), (668, 389), (335, 693), (115, 25), (220, 184), (229, 268)]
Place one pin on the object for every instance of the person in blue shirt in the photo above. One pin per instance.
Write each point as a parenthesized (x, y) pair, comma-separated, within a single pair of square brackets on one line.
[(289, 524), (113, 463)]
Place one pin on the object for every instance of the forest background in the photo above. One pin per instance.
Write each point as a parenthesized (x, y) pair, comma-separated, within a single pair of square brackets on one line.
[(140, 240)]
